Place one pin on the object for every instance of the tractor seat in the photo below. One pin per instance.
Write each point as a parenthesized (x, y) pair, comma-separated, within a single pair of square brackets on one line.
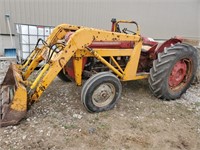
[(145, 48), (147, 44)]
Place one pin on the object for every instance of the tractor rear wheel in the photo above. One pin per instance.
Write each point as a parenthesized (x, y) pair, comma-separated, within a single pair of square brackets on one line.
[(101, 92), (173, 71)]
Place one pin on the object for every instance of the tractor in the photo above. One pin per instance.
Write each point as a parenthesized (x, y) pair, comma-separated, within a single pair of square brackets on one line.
[(104, 59)]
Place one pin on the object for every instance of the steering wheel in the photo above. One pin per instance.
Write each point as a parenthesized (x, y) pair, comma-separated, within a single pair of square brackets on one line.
[(125, 30)]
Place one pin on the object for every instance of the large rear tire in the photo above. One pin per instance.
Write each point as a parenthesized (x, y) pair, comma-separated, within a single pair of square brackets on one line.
[(173, 71), (101, 92)]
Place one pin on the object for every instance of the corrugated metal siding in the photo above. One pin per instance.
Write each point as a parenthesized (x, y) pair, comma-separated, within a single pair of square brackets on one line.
[(157, 18), (199, 18)]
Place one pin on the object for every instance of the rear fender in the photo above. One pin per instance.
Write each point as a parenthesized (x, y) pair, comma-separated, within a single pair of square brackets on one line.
[(160, 47)]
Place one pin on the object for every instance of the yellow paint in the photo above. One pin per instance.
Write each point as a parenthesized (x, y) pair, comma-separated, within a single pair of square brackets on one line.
[(34, 63), (125, 21), (76, 47), (30, 58), (132, 65), (106, 63), (77, 61), (46, 67), (138, 77), (19, 101), (107, 52), (117, 64)]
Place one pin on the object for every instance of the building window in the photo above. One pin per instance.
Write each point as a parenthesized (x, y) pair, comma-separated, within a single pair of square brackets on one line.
[(28, 36)]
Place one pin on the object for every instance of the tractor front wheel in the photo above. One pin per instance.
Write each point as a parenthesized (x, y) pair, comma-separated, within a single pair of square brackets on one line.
[(173, 71), (101, 92)]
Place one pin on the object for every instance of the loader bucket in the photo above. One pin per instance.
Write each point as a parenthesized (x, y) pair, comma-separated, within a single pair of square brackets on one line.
[(13, 97)]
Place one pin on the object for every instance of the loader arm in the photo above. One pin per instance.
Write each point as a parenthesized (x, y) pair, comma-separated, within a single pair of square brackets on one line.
[(36, 56), (80, 40), (77, 46)]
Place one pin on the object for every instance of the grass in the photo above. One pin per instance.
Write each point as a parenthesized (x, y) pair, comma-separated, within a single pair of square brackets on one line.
[(197, 104), (103, 126), (70, 126)]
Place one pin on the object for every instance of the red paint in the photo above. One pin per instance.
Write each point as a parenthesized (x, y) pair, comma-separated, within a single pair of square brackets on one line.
[(167, 43), (144, 63), (106, 44), (178, 73), (113, 20), (148, 42), (113, 26), (69, 67), (146, 58), (112, 44), (67, 36), (158, 48)]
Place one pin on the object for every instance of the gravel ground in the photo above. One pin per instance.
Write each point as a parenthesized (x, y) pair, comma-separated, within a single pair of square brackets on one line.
[(139, 121)]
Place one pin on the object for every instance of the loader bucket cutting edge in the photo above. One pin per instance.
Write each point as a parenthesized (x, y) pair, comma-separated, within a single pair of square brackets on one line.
[(13, 98)]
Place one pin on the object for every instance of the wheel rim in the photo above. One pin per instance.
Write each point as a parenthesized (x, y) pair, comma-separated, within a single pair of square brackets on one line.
[(103, 94), (180, 73)]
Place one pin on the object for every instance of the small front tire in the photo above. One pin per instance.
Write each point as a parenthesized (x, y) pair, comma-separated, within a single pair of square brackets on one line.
[(101, 92)]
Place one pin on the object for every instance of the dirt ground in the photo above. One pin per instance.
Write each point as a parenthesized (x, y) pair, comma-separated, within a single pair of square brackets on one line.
[(139, 121)]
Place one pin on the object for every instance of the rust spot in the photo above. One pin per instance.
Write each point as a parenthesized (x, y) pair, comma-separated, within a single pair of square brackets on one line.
[(42, 88), (77, 58), (12, 117), (5, 95), (118, 36), (78, 27), (36, 95), (98, 32), (70, 46)]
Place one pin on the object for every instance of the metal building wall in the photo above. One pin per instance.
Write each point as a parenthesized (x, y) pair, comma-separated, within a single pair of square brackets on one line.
[(157, 18), (199, 17)]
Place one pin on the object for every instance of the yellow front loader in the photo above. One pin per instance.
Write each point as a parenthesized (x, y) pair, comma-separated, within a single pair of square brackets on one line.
[(104, 58)]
